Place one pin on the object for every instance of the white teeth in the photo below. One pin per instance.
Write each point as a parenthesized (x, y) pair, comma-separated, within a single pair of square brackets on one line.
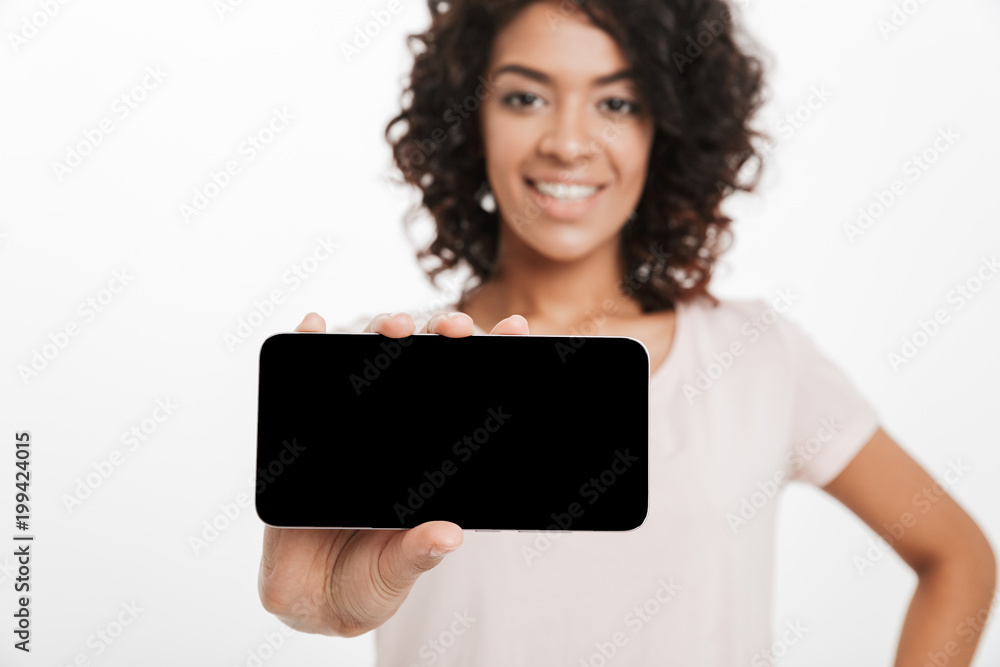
[(565, 191)]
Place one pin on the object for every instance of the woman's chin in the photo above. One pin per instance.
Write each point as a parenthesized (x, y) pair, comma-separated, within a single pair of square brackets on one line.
[(560, 242), (562, 251)]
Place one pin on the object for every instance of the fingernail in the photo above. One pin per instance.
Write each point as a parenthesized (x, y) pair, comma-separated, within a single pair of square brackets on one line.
[(438, 552)]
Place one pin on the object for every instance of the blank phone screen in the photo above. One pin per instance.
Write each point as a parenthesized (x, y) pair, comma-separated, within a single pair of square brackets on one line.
[(488, 432)]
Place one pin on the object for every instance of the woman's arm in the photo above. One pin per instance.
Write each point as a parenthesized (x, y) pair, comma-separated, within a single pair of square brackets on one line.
[(953, 560)]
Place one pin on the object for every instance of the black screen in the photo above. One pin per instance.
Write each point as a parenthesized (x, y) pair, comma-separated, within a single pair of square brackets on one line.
[(489, 432)]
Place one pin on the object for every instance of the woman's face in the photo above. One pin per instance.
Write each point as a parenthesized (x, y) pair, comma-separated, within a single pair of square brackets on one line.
[(558, 115)]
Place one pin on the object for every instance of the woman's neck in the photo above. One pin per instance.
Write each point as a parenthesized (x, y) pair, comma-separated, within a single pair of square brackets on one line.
[(552, 295)]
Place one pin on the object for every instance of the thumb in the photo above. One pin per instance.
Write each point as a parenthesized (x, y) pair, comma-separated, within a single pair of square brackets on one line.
[(417, 550), (312, 322)]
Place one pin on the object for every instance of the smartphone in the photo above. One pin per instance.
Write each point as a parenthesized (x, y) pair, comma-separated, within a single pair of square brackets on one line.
[(491, 432)]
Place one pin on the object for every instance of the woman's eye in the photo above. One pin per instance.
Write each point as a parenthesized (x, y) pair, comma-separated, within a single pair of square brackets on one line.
[(617, 104), (509, 100)]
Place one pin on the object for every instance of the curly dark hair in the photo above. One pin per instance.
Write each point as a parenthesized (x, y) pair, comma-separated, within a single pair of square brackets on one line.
[(700, 85)]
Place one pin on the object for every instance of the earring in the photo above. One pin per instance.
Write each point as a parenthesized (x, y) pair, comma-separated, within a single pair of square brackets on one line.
[(484, 195)]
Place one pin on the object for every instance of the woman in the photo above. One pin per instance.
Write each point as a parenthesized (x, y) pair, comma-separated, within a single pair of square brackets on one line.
[(599, 141)]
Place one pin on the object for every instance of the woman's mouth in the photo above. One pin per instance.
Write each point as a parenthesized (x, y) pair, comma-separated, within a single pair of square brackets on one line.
[(564, 200)]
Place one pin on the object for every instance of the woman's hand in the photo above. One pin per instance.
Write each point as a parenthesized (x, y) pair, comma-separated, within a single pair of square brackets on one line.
[(347, 582)]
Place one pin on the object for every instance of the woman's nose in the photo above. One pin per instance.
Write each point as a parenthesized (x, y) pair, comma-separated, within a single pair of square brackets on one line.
[(569, 135)]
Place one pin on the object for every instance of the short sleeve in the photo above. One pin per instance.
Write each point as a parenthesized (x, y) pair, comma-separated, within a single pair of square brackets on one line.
[(831, 420)]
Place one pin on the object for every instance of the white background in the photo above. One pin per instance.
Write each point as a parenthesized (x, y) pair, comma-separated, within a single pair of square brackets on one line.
[(162, 336)]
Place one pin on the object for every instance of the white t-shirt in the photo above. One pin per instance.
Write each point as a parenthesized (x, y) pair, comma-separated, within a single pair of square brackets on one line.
[(744, 402)]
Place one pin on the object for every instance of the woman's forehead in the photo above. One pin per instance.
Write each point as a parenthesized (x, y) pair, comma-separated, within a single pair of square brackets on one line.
[(564, 46)]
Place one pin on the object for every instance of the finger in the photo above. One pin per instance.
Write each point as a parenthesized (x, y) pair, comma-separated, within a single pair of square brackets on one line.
[(515, 324), (408, 555), (453, 325), (393, 325), (312, 322)]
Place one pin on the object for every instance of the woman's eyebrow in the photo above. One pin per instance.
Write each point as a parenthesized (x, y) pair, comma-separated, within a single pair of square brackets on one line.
[(545, 78)]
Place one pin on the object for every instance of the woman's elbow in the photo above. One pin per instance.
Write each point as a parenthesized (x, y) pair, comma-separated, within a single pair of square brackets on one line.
[(972, 562)]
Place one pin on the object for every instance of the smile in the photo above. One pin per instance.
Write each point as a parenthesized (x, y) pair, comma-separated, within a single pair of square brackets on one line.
[(564, 191), (562, 200)]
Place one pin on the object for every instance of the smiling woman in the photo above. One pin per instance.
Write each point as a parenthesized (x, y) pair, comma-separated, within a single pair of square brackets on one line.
[(596, 94), (600, 142)]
